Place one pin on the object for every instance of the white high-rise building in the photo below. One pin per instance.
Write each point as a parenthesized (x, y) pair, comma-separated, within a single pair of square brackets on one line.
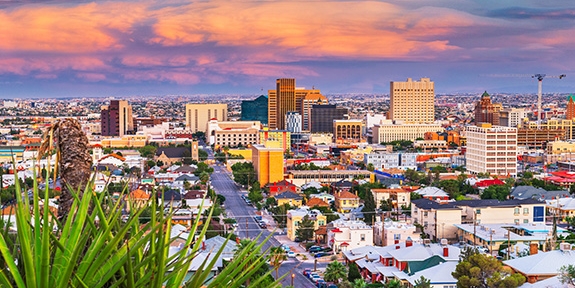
[(491, 149), (412, 101), (293, 122)]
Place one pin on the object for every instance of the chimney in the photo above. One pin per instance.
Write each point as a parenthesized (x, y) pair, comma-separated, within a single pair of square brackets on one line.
[(408, 242), (445, 251), (396, 241), (396, 247), (203, 245), (533, 248)]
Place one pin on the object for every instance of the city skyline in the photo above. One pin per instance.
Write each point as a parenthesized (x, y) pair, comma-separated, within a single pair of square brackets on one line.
[(123, 48)]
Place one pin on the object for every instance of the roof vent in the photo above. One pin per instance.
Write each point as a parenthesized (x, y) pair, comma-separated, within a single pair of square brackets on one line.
[(565, 246), (426, 242), (443, 242)]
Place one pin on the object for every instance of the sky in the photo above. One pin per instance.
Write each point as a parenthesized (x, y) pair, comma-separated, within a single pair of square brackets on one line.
[(171, 47)]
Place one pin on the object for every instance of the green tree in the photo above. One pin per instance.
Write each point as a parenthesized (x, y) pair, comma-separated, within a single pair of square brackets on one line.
[(334, 272), (393, 284), (370, 167), (148, 151), (353, 272), (567, 274), (359, 283), (255, 194), (244, 173), (329, 214), (483, 271), (361, 190), (369, 209), (202, 155), (422, 282), (570, 221), (305, 229), (451, 187), (277, 257), (499, 192)]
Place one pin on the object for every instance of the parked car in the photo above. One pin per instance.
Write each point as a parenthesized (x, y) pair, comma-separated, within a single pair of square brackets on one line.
[(262, 224), (291, 254), (319, 282), (306, 272), (326, 249), (321, 254), (285, 247), (315, 249)]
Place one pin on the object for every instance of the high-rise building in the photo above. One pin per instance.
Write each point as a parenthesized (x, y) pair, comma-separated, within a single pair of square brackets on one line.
[(198, 115), (412, 101), (255, 110), (310, 99), (491, 149), (570, 113), (487, 112), (512, 117), (286, 98), (293, 122), (322, 117), (116, 118), (268, 163)]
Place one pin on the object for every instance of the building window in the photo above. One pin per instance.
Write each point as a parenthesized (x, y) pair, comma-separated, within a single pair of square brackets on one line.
[(478, 211), (516, 221), (525, 221), (362, 237), (425, 214), (516, 211), (525, 211), (296, 223)]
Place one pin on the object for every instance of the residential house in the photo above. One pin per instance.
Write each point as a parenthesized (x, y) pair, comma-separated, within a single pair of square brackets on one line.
[(326, 197), (398, 195), (171, 155), (437, 219), (342, 185), (530, 192), (282, 186), (346, 201), (136, 199), (562, 207), (348, 234), (294, 218), (543, 265), (316, 202), (433, 193), (289, 198), (170, 198), (189, 178), (439, 276), (392, 232)]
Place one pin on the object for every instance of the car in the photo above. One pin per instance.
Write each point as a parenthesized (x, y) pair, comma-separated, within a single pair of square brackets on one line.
[(319, 282), (326, 249), (314, 249), (314, 276), (258, 218), (291, 254), (306, 272), (285, 247), (320, 254), (262, 224)]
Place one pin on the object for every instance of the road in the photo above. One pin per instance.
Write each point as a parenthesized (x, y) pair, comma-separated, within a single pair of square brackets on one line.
[(247, 227)]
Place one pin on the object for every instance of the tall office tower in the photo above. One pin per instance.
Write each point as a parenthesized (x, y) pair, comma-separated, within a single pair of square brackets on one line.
[(116, 118), (570, 113), (198, 115), (487, 112), (491, 149), (322, 117), (412, 101), (310, 99), (285, 98), (293, 122), (512, 117), (255, 110)]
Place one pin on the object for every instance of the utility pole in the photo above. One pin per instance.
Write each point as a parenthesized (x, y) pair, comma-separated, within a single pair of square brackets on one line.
[(508, 243), (474, 228), (247, 230)]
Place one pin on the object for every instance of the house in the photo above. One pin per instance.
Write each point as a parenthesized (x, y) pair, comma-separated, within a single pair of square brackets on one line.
[(282, 186), (326, 197), (439, 276), (392, 232), (312, 184), (562, 207), (112, 159), (186, 169), (294, 218), (316, 202), (136, 199), (348, 234), (437, 219), (530, 192), (482, 184), (346, 201), (190, 178), (342, 185), (433, 193), (170, 198), (398, 195), (543, 265), (289, 198)]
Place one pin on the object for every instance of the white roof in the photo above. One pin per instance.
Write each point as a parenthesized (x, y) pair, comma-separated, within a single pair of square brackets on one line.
[(438, 274), (420, 252), (314, 184), (564, 203), (431, 191), (553, 282), (542, 263)]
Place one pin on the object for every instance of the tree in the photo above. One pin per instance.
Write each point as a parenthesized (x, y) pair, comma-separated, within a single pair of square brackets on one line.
[(305, 229), (483, 271), (353, 272), (148, 151), (422, 282), (255, 194), (500, 192), (393, 284), (369, 209), (244, 173), (202, 155), (451, 187), (334, 272), (370, 167), (359, 283), (570, 221), (277, 257), (567, 274)]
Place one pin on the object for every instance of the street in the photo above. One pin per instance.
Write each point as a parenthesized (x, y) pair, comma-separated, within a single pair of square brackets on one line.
[(248, 228)]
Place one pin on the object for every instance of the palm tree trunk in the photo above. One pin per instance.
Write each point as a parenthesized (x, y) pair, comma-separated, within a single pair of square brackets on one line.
[(75, 162)]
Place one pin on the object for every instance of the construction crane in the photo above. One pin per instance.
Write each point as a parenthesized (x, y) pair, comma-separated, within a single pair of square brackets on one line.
[(539, 78)]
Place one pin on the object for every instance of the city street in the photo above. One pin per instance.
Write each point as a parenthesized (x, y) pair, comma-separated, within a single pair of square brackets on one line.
[(247, 227)]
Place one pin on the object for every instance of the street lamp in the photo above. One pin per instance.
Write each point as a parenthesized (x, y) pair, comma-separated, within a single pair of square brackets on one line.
[(292, 277)]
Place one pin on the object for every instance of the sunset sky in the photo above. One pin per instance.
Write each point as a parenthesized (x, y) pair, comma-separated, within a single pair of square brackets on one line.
[(166, 47)]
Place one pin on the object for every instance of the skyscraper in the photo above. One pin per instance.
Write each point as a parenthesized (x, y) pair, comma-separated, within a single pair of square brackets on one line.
[(322, 117), (487, 112), (412, 101), (255, 110), (286, 98), (491, 149), (116, 119), (198, 115), (570, 113)]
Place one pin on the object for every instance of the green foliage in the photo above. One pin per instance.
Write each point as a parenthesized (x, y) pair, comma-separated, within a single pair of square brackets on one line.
[(361, 190), (415, 196), (359, 283), (393, 284), (328, 213), (438, 169), (399, 145), (353, 272), (386, 205), (334, 272), (202, 155), (279, 214), (203, 167), (499, 192), (451, 187), (480, 270), (567, 274), (305, 229), (545, 185), (309, 166), (255, 194), (148, 151), (422, 282), (369, 209), (244, 173)]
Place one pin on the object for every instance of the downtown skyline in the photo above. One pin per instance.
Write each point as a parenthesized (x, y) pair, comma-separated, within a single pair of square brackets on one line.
[(148, 48)]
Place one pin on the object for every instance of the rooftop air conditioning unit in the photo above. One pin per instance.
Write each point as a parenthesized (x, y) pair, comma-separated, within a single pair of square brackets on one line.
[(426, 242), (565, 246), (443, 242)]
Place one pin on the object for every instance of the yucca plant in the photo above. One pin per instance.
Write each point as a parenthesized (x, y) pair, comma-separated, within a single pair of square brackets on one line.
[(93, 247)]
